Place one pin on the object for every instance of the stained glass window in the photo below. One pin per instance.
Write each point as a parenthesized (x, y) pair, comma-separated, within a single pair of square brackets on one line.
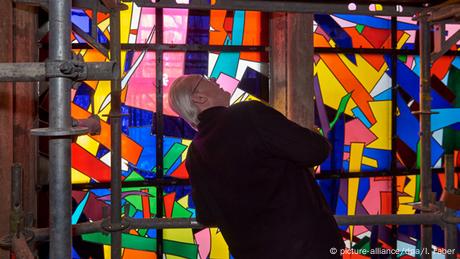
[(388, 88), (242, 73), (352, 31), (366, 92), (354, 109)]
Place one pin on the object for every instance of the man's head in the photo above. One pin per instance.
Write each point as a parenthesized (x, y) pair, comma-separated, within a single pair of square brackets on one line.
[(191, 94)]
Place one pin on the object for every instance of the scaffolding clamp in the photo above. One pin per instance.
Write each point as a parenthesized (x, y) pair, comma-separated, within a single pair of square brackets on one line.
[(73, 69), (78, 70), (107, 226)]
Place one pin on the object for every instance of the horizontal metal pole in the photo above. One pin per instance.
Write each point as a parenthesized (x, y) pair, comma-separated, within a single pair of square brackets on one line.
[(152, 182), (392, 219), (227, 48), (22, 72), (81, 4), (445, 13), (194, 47), (163, 223), (286, 6), (451, 220), (42, 234), (29, 72), (324, 175), (180, 47)]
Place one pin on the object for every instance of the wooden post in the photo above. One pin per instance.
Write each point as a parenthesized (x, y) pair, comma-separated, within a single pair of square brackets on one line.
[(291, 66), (278, 62), (6, 118), (18, 109), (25, 103), (300, 91)]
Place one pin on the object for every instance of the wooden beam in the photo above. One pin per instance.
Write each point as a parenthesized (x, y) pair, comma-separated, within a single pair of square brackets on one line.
[(6, 119), (291, 66), (278, 61), (300, 91), (25, 104)]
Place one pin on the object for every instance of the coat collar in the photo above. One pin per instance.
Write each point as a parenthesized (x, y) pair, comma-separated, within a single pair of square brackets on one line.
[(209, 116)]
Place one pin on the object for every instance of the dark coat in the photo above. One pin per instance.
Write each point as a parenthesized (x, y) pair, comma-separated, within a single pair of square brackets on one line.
[(248, 167)]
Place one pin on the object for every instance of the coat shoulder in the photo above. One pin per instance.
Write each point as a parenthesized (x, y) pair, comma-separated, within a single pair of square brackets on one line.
[(248, 106)]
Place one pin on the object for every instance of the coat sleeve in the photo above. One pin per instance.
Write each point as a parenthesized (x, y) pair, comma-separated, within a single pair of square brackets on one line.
[(285, 139), (204, 212)]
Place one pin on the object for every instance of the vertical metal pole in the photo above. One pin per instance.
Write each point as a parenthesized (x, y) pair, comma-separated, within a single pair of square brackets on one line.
[(115, 130), (159, 123), (394, 74), (450, 231), (59, 117), (425, 131)]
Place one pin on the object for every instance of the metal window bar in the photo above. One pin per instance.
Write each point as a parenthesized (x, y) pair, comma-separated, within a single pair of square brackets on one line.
[(425, 132), (115, 130), (394, 74), (159, 124)]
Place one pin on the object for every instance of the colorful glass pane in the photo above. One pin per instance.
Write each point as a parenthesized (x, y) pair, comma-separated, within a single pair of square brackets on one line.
[(408, 188), (360, 196), (353, 106), (409, 28), (445, 104), (351, 31)]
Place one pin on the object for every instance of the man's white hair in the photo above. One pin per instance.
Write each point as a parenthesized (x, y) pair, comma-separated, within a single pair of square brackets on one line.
[(180, 99)]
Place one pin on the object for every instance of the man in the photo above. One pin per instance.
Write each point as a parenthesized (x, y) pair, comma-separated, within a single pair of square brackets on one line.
[(248, 167)]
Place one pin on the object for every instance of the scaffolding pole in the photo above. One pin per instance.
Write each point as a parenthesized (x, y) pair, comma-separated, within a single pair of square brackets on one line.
[(59, 103), (115, 129), (159, 125), (29, 72), (450, 230), (437, 218), (425, 132)]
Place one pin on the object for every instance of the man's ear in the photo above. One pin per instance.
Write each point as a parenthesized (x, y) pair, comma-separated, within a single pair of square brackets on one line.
[(199, 98)]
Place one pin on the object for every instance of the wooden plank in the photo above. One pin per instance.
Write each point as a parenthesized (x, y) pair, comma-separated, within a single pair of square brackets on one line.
[(6, 118), (300, 91), (25, 104), (278, 61)]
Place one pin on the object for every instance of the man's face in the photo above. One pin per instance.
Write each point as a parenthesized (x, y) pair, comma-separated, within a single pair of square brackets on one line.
[(211, 91)]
